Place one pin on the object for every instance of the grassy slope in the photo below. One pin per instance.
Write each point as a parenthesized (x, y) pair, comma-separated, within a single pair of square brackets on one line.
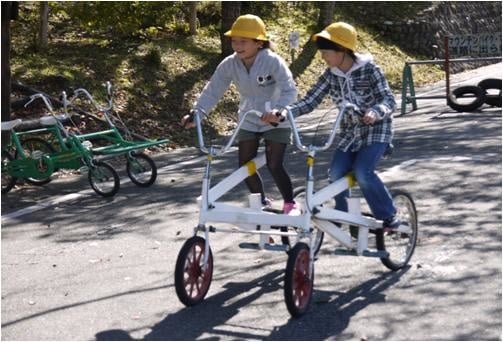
[(157, 79)]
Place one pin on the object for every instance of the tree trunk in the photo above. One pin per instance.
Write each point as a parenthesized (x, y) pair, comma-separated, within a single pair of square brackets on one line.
[(327, 9), (230, 11), (193, 17), (8, 9), (44, 25)]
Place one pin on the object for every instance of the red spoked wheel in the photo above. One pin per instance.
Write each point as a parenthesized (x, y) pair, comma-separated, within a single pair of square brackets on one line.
[(298, 280), (192, 277)]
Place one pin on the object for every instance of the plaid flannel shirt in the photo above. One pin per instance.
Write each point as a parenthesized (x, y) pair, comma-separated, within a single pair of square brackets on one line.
[(363, 85)]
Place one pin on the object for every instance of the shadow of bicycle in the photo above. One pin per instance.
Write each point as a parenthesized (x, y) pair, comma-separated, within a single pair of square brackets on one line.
[(330, 312)]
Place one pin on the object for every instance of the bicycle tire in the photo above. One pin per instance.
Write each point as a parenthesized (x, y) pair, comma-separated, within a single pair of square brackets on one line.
[(400, 246), (192, 282), (29, 145), (103, 171), (147, 169), (491, 83), (299, 280), (8, 181), (480, 98)]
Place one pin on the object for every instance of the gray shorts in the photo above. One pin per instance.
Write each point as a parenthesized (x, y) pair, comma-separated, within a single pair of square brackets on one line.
[(281, 135)]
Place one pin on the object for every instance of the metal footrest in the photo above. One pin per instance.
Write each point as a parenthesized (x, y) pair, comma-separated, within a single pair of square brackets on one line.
[(267, 246), (366, 253)]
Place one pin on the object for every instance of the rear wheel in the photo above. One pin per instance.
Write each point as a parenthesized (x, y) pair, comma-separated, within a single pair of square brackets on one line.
[(141, 169), (8, 181), (399, 245), (104, 179), (36, 148), (299, 279), (192, 277)]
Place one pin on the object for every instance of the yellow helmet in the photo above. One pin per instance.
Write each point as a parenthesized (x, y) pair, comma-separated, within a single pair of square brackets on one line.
[(339, 33), (248, 26)]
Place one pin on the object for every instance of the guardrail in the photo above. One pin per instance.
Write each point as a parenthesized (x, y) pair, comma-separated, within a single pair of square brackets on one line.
[(408, 89)]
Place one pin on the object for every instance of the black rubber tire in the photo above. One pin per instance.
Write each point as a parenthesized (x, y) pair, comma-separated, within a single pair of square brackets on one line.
[(99, 168), (318, 234), (29, 145), (400, 246), (146, 163), (189, 275), (491, 83), (8, 181), (298, 286), (479, 99)]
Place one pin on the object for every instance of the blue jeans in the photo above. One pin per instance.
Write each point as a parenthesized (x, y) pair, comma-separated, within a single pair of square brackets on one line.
[(362, 163)]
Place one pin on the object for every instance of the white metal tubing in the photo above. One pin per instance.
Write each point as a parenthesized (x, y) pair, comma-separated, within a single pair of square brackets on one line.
[(255, 201), (344, 217), (247, 216), (354, 208), (329, 191), (335, 232), (234, 179)]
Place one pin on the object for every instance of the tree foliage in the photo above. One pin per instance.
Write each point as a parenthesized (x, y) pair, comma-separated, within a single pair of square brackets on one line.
[(127, 18)]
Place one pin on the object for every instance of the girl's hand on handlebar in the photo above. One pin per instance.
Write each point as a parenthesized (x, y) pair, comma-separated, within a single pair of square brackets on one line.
[(188, 121), (370, 117), (273, 117)]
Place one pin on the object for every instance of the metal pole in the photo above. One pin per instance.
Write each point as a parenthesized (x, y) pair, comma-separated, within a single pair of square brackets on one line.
[(447, 69)]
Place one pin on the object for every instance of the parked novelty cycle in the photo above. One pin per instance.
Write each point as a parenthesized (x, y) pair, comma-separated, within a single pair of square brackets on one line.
[(35, 159), (194, 265), (140, 168)]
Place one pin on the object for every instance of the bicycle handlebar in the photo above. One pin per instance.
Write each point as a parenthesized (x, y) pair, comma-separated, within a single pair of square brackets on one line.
[(79, 91), (43, 97), (298, 141), (224, 149), (344, 108)]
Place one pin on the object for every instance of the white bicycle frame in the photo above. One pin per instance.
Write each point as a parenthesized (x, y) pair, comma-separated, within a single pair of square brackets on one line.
[(253, 220)]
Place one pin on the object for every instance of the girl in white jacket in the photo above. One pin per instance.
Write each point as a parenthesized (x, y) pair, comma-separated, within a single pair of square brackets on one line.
[(263, 81)]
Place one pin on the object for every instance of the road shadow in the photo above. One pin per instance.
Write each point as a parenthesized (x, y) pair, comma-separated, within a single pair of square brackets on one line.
[(216, 311)]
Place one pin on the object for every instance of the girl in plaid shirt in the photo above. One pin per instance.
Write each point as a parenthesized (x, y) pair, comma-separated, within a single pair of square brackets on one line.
[(354, 78)]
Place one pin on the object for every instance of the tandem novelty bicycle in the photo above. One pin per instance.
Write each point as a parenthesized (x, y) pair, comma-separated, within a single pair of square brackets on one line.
[(29, 156), (301, 235)]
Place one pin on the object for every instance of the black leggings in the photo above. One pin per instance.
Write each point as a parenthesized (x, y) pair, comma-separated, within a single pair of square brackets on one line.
[(275, 152)]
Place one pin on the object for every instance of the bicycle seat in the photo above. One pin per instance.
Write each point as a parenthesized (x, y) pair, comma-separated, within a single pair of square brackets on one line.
[(50, 120), (9, 125)]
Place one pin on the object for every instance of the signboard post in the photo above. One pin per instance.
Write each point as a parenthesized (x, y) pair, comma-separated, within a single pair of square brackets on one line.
[(293, 42)]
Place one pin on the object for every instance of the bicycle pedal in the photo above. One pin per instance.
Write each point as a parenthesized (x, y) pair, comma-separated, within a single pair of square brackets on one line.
[(375, 254), (267, 246), (344, 251)]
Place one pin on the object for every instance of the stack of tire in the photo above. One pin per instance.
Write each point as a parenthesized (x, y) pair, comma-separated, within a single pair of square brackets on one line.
[(488, 91)]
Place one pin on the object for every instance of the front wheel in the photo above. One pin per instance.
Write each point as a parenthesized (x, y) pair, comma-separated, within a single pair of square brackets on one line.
[(141, 169), (399, 244), (104, 179), (8, 181), (299, 279), (192, 276)]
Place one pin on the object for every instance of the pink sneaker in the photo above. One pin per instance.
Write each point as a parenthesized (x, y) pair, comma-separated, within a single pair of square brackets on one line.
[(290, 208)]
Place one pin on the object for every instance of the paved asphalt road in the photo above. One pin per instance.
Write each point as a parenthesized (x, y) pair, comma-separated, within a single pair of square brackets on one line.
[(76, 266)]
